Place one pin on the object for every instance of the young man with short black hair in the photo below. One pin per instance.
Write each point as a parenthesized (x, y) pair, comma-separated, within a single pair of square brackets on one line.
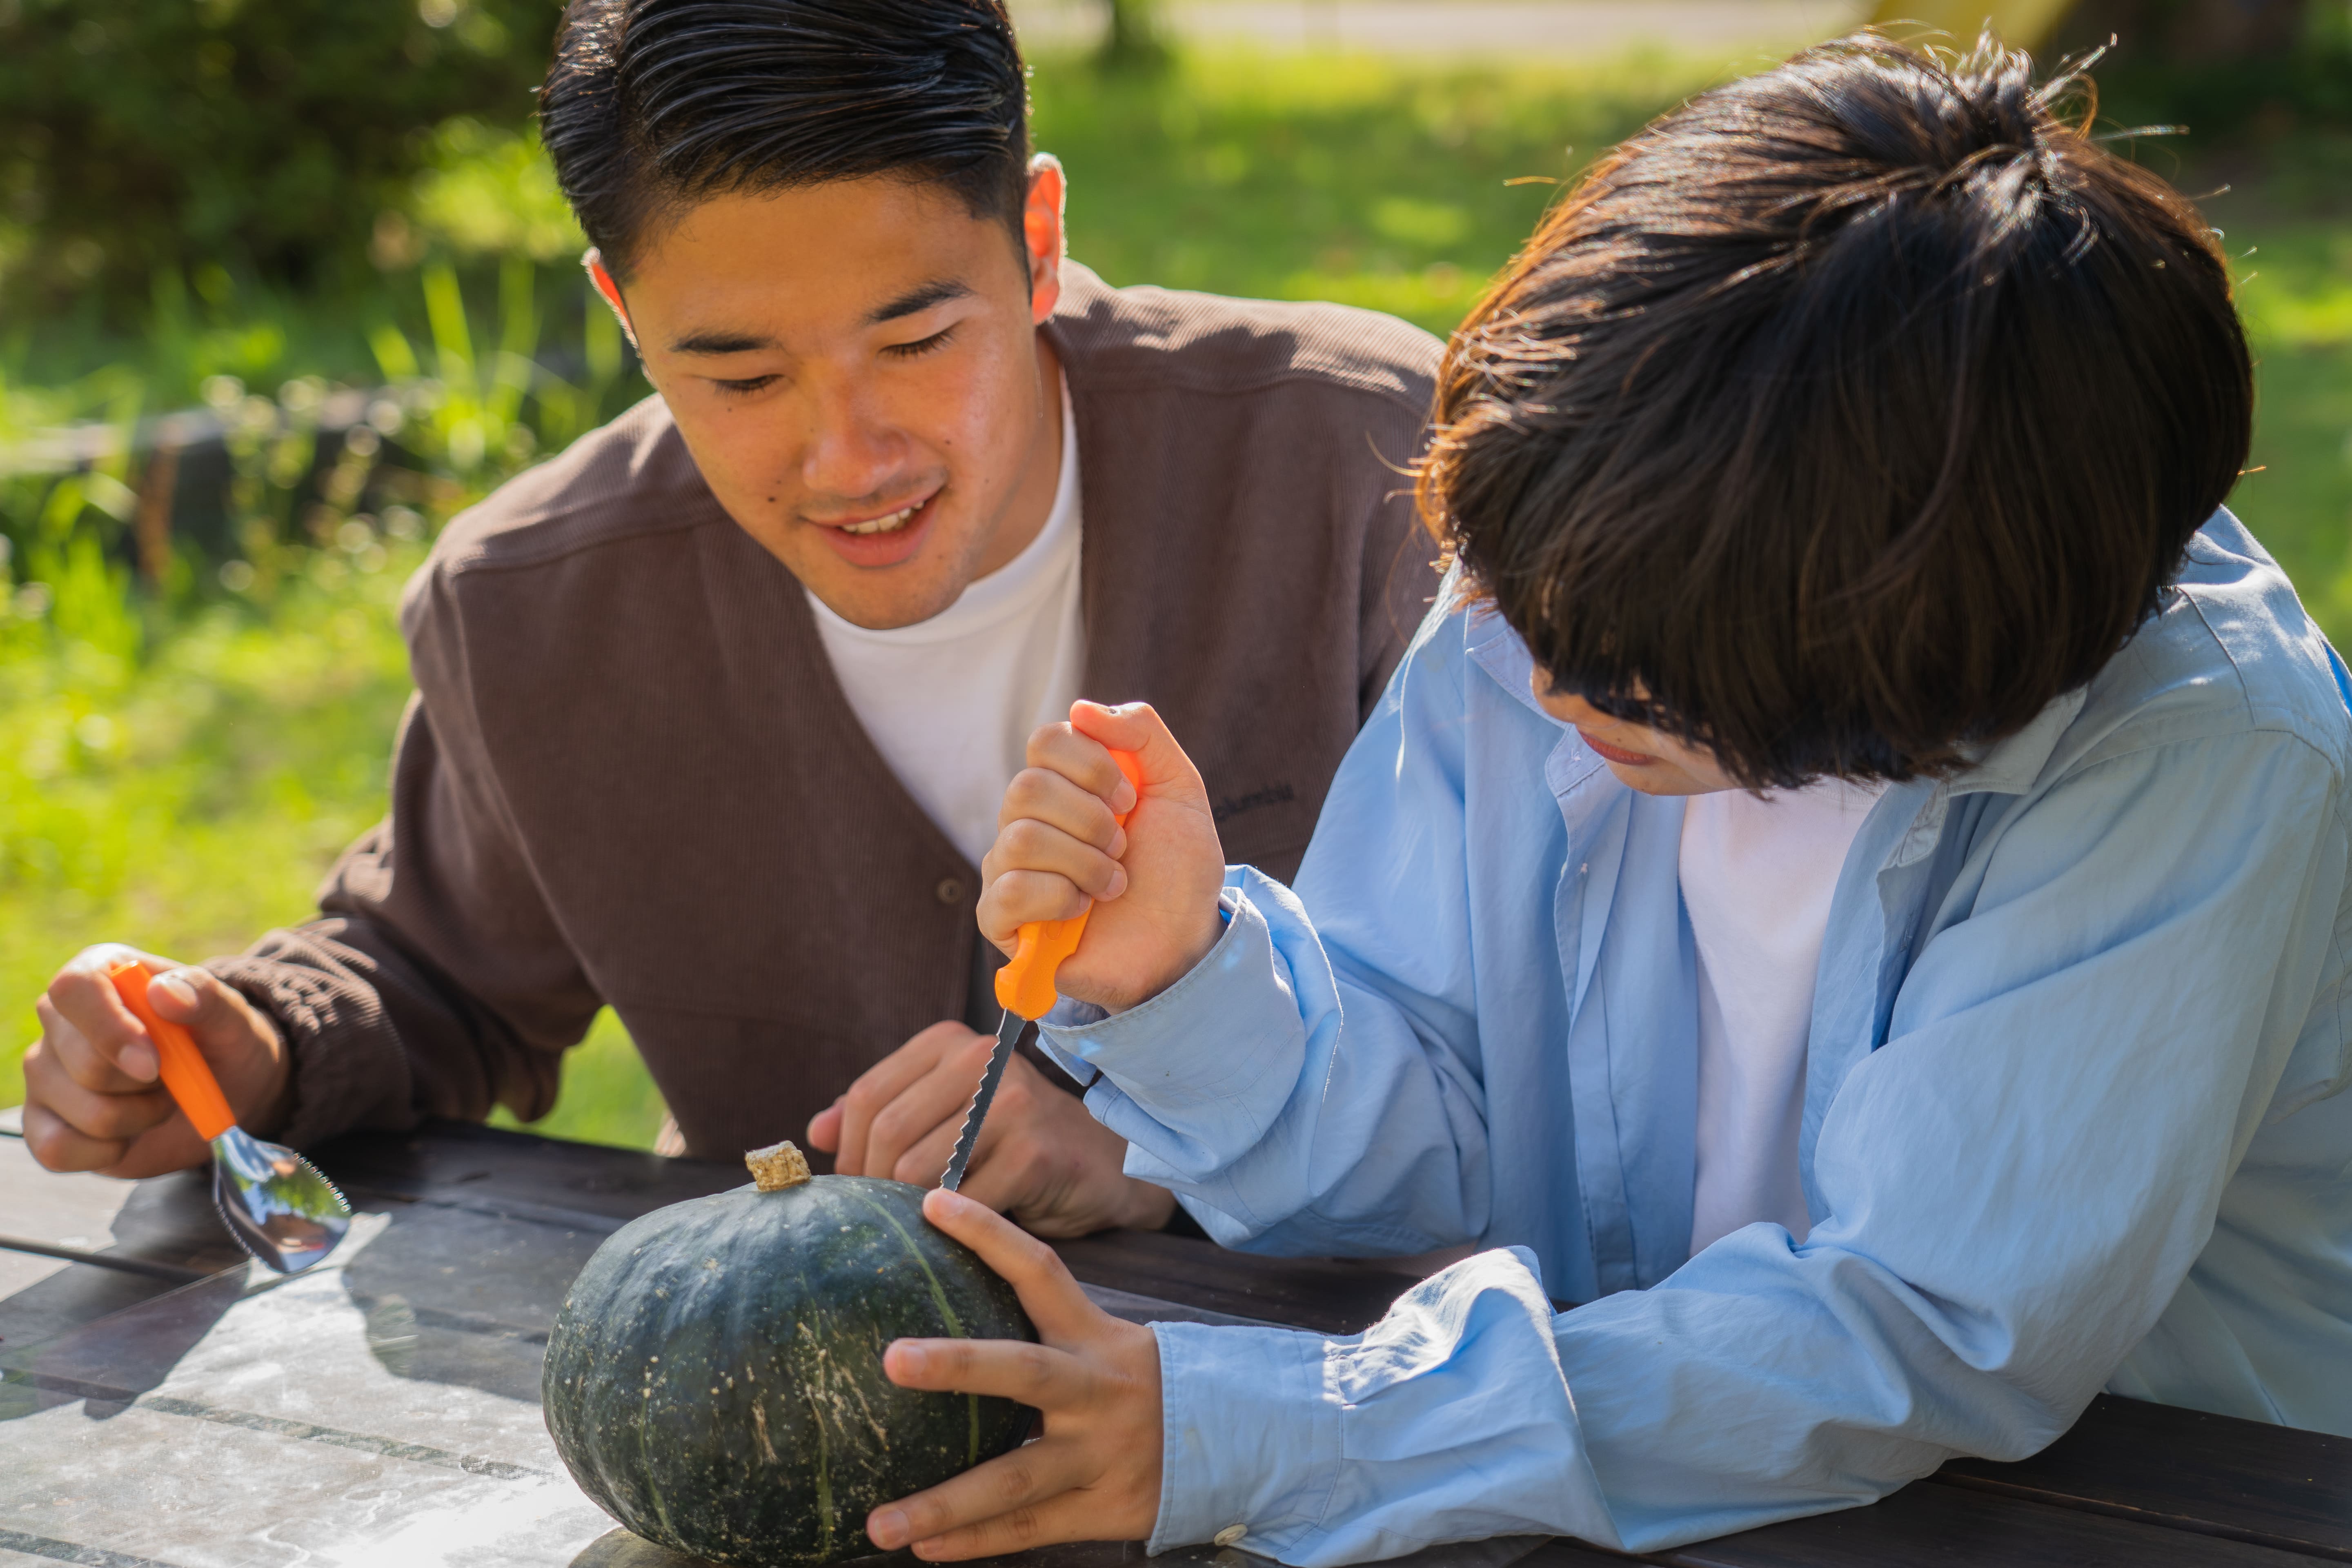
[(715, 710)]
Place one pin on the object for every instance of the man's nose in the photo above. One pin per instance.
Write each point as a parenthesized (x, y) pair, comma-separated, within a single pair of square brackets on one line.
[(850, 451)]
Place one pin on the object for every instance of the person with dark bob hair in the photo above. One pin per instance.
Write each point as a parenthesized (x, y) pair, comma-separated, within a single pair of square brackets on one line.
[(1848, 886), (716, 708)]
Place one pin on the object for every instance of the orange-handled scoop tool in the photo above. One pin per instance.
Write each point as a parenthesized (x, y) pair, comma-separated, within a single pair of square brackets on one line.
[(275, 1203), (1025, 988)]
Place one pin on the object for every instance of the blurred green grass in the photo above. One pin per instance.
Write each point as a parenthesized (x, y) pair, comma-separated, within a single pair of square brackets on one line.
[(181, 773), (1349, 178), (2296, 299)]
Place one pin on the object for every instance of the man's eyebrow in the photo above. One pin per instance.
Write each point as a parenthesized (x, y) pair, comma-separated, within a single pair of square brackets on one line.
[(718, 341), (918, 300), (714, 341)]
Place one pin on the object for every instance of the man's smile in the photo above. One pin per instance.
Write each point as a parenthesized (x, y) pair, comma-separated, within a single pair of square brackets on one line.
[(880, 539), (896, 520)]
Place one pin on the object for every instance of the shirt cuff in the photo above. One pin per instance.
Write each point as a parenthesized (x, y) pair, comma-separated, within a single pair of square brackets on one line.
[(1249, 1438), (343, 1055), (1208, 1039)]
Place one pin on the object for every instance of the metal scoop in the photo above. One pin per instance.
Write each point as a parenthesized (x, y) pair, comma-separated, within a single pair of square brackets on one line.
[(275, 1203)]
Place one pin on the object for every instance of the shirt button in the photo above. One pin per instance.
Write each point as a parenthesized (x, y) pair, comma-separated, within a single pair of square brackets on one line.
[(950, 890), (1230, 1536)]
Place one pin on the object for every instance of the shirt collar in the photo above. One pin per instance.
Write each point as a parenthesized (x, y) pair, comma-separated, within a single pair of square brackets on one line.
[(1495, 649), (2009, 766)]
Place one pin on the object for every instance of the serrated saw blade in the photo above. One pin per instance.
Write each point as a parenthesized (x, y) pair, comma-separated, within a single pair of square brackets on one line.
[(1007, 1033)]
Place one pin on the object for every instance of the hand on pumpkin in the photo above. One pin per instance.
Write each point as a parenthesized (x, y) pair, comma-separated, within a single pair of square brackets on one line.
[(1040, 1158), (93, 1100), (1154, 883), (1094, 1475)]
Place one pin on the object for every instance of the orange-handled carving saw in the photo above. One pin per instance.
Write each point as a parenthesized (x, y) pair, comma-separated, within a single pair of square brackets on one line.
[(1025, 986)]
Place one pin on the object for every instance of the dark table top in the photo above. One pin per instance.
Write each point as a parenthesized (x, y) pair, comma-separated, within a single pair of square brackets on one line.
[(162, 1403)]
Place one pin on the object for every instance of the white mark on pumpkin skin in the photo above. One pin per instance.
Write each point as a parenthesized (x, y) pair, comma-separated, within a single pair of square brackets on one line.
[(823, 1486), (759, 1430), (857, 1391), (827, 1383)]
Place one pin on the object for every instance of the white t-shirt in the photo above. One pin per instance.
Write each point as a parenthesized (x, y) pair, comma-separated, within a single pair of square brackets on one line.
[(950, 702), (1756, 876)]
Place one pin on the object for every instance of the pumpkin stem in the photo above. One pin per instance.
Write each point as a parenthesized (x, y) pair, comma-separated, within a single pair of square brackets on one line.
[(777, 1166)]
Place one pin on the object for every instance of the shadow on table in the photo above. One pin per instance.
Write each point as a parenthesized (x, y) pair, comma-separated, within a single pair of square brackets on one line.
[(161, 1234), (171, 1219), (107, 1364), (619, 1549), (457, 1298), (447, 1295), (165, 1225)]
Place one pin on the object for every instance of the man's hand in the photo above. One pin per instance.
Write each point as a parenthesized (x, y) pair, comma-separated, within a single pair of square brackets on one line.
[(1040, 1158), (1153, 884), (92, 1099), (1094, 1473)]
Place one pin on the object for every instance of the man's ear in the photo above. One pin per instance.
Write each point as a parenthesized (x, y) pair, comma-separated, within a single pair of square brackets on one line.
[(1043, 235), (594, 262)]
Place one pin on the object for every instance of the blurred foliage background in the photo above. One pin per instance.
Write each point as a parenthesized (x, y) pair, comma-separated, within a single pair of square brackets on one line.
[(168, 136), (283, 285)]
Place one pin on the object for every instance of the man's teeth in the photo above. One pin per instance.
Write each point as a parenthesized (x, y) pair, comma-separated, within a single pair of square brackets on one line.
[(890, 524)]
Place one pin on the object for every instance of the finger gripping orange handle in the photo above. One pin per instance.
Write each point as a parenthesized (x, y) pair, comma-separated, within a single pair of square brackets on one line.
[(1026, 985), (186, 1072)]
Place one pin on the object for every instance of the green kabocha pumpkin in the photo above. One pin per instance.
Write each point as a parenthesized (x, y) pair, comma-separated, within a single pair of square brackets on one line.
[(715, 1382)]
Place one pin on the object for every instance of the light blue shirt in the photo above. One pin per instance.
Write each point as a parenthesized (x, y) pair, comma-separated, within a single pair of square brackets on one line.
[(2072, 1118)]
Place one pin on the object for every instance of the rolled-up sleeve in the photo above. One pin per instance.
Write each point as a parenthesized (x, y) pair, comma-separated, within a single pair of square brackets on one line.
[(1231, 1088), (1448, 1420)]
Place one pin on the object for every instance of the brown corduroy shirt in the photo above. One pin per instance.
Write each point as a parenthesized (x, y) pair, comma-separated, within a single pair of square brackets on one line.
[(628, 775)]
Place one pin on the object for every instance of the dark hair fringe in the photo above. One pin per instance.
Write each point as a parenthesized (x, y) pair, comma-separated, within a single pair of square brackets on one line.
[(1847, 415), (653, 106)]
